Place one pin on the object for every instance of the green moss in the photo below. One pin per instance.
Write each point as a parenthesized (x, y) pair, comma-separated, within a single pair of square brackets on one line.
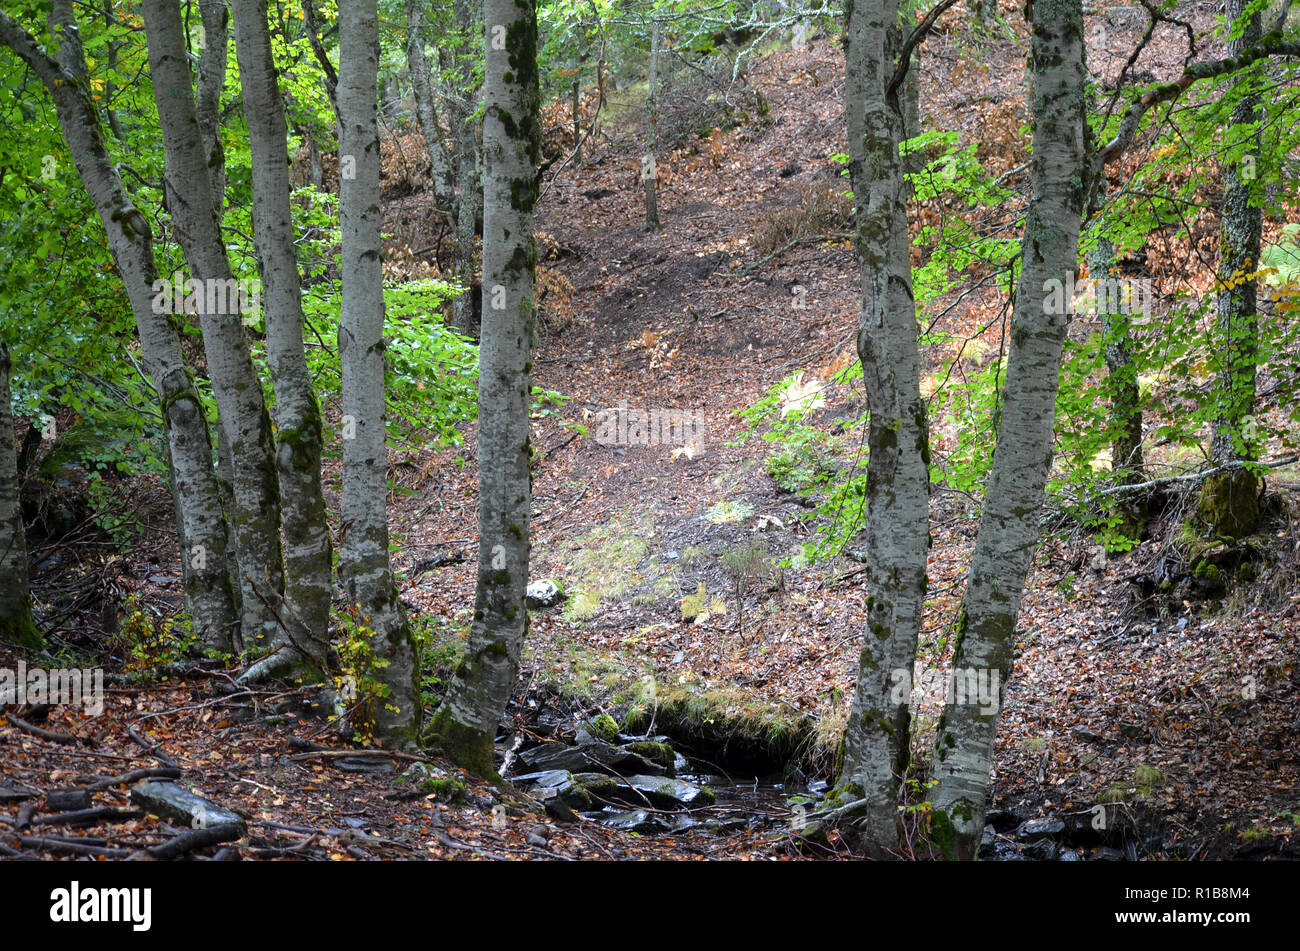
[(447, 790), (467, 748), (660, 753), (21, 630), (603, 727)]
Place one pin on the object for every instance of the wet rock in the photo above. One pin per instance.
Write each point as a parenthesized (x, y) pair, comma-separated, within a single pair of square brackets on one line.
[(1044, 850), (1037, 829), (1107, 854), (665, 792), (661, 754), (636, 821), (591, 756)]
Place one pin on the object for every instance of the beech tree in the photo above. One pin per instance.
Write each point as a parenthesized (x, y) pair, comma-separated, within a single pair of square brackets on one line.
[(368, 582), (209, 599), (1008, 529), (1229, 502), (422, 69), (465, 725), (241, 410), (876, 740), (308, 551)]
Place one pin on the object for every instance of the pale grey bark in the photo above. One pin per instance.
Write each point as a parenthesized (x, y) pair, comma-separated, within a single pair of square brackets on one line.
[(1230, 501), (215, 17), (423, 84), (476, 698), (1008, 532), (303, 640), (876, 741), (202, 528), (463, 102), (363, 555), (16, 624), (649, 173), (241, 409)]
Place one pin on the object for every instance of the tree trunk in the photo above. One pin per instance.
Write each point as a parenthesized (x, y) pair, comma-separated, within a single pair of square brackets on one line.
[(1122, 389), (466, 723), (212, 79), (16, 625), (209, 599), (426, 112), (363, 557), (648, 172), (308, 551), (1229, 502), (1008, 532), (464, 103), (240, 408), (577, 122), (876, 741)]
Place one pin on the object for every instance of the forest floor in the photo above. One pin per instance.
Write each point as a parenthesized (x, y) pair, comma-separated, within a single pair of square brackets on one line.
[(1176, 710)]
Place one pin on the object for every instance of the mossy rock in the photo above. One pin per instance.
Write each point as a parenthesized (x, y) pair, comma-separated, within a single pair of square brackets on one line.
[(603, 727), (446, 790), (659, 753)]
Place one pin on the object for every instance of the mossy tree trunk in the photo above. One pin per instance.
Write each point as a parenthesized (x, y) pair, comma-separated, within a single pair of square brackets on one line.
[(241, 410), (364, 563), (209, 600), (1229, 502), (465, 725), (876, 742), (16, 624), (1008, 531), (300, 645)]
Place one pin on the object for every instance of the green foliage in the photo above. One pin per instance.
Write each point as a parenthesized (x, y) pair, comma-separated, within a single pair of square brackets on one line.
[(357, 681), (151, 645)]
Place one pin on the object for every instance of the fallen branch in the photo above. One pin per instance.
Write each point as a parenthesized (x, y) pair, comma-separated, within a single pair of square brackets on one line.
[(148, 772), (88, 816), (193, 839), (1140, 487), (68, 845), (37, 731)]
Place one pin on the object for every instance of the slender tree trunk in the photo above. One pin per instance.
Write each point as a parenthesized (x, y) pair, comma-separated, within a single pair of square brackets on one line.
[(16, 625), (363, 557), (1229, 501), (308, 551), (240, 407), (876, 742), (648, 171), (463, 102), (1008, 532), (577, 122), (212, 79), (202, 528), (1122, 388), (426, 112), (466, 723)]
